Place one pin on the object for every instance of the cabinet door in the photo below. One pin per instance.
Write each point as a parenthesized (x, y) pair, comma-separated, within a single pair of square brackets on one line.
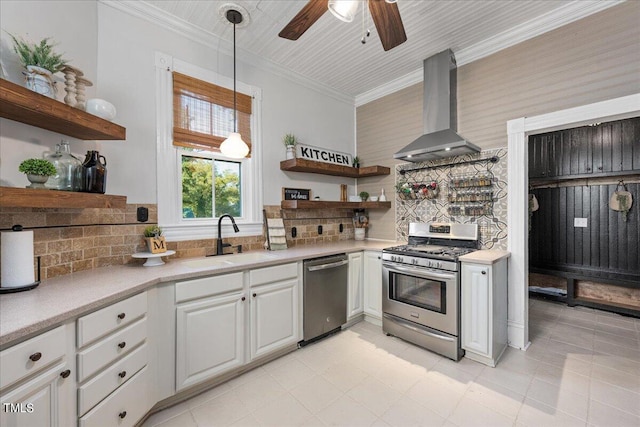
[(274, 317), (372, 278), (476, 308), (209, 338), (45, 401), (354, 300)]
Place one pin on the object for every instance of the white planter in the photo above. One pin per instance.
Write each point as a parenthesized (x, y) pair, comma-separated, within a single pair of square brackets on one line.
[(40, 81), (291, 152), (359, 233)]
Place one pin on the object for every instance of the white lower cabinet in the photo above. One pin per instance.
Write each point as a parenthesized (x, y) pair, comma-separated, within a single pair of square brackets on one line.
[(372, 283), (484, 311), (355, 298), (217, 317), (209, 337)]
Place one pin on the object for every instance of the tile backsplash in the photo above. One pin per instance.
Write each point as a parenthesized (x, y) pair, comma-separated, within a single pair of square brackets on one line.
[(71, 240)]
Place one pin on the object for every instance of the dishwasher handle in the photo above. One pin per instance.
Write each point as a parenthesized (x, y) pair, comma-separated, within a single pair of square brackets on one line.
[(328, 266)]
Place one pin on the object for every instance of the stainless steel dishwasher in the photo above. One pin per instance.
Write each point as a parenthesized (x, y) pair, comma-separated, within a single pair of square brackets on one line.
[(325, 296)]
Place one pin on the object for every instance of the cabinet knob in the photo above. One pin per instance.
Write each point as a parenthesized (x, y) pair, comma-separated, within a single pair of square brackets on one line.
[(484, 272), (255, 295), (65, 374), (243, 298), (599, 168), (122, 414), (122, 344), (35, 357), (121, 316), (122, 374)]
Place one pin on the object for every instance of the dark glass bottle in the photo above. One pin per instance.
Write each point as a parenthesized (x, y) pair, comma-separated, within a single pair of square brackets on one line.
[(94, 173)]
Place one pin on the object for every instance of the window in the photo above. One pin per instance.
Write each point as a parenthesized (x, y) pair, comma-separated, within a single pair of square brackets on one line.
[(196, 183)]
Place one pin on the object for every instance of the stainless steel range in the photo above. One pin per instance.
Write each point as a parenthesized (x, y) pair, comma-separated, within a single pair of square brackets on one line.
[(421, 286)]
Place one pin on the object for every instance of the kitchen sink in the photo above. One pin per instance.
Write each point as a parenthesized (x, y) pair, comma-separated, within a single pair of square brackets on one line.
[(228, 260)]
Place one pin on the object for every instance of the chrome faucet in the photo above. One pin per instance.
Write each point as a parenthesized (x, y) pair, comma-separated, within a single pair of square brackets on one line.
[(220, 245)]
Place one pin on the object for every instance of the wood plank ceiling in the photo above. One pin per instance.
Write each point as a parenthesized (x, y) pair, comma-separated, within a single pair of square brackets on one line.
[(331, 53)]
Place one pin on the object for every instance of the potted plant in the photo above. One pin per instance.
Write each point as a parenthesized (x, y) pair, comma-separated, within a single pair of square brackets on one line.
[(41, 63), (38, 171), (290, 142), (156, 243), (364, 196), (356, 162)]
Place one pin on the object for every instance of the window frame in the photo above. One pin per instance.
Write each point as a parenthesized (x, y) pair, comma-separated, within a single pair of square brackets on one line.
[(169, 159)]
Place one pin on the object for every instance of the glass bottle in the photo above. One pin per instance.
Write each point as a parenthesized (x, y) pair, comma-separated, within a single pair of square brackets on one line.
[(66, 165), (94, 173)]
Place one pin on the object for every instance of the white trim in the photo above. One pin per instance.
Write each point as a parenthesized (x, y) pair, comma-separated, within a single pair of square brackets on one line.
[(150, 13), (518, 177), (169, 159), (557, 18)]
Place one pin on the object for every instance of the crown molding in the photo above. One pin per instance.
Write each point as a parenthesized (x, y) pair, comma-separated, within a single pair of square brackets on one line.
[(557, 18), (150, 13)]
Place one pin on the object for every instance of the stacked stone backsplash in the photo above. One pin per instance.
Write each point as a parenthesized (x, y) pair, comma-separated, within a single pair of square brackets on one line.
[(71, 240), (492, 228)]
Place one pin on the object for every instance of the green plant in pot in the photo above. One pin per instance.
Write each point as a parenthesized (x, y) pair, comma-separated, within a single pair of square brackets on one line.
[(290, 142), (38, 171), (364, 196), (156, 243), (41, 62), (356, 162)]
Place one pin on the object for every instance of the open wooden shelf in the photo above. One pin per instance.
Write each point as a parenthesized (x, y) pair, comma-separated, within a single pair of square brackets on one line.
[(302, 165), (26, 106), (36, 198), (321, 204)]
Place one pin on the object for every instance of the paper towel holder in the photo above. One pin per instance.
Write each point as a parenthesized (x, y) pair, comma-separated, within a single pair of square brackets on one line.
[(22, 288)]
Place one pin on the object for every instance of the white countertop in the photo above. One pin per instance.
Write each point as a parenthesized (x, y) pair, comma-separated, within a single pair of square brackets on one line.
[(487, 256), (64, 298)]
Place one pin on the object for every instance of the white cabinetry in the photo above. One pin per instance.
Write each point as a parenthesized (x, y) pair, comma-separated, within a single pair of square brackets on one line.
[(112, 364), (484, 310), (355, 298), (372, 281), (274, 308), (209, 327), (37, 386)]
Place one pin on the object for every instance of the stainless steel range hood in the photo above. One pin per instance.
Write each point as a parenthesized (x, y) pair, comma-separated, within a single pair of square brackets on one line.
[(440, 138)]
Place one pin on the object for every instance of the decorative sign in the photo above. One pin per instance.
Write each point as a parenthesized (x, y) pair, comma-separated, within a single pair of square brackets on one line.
[(296, 194), (319, 154)]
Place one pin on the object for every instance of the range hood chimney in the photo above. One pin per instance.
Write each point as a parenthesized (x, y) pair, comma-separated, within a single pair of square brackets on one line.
[(440, 138)]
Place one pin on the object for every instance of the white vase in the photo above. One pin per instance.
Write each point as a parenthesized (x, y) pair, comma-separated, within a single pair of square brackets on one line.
[(40, 81), (291, 152), (382, 197)]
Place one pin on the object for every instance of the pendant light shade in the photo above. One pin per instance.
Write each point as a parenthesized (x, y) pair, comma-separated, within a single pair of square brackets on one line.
[(344, 10), (234, 146)]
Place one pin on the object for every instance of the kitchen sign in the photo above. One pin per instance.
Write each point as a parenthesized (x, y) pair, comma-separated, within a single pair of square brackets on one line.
[(318, 154), (296, 194)]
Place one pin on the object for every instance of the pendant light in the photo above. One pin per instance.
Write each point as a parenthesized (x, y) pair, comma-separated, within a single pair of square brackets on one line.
[(234, 146)]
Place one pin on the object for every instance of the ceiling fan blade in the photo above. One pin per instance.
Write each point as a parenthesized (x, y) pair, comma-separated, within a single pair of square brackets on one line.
[(300, 23), (386, 16)]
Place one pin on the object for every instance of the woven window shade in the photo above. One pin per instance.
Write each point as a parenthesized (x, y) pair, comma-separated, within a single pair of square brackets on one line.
[(203, 114)]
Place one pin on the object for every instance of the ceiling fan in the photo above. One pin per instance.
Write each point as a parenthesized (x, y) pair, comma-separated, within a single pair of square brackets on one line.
[(385, 14)]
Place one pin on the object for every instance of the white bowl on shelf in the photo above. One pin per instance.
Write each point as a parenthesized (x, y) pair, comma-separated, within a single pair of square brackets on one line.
[(101, 108), (373, 198)]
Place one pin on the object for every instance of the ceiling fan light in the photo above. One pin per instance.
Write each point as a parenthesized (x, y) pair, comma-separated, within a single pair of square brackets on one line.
[(234, 146), (344, 10)]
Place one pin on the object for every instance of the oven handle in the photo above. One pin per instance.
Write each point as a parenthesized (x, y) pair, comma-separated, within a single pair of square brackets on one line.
[(408, 325), (418, 271)]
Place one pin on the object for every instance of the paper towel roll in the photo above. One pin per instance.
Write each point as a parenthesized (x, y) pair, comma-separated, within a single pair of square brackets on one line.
[(16, 257)]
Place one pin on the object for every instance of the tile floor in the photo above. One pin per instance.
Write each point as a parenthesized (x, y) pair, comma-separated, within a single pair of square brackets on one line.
[(582, 369)]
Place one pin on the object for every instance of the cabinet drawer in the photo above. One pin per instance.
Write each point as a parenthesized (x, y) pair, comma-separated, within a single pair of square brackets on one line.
[(103, 384), (109, 349), (276, 273), (208, 286), (108, 319), (26, 358), (124, 407)]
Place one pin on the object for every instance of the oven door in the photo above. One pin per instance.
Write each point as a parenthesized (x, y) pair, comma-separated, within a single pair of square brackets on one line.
[(421, 295)]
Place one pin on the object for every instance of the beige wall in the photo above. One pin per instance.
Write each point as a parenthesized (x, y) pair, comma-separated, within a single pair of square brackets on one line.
[(590, 60)]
